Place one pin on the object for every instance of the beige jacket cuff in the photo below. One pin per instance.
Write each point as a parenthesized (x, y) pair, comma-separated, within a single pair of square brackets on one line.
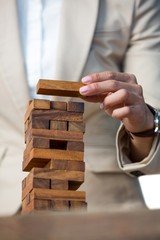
[(149, 165)]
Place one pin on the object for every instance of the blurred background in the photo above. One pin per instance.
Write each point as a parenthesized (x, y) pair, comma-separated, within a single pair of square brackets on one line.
[(151, 190)]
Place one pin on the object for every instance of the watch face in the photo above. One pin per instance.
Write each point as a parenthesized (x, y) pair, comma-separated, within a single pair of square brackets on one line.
[(157, 121)]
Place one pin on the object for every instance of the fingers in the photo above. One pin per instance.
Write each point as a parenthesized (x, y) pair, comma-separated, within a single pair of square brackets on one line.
[(119, 104), (95, 98), (122, 97), (121, 113), (133, 117), (119, 98), (106, 82), (101, 87), (103, 76), (98, 91), (136, 118)]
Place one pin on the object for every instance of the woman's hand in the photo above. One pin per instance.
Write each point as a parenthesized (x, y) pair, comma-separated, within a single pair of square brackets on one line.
[(121, 97)]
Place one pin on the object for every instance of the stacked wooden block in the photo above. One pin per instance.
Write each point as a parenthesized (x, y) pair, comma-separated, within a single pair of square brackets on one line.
[(54, 156)]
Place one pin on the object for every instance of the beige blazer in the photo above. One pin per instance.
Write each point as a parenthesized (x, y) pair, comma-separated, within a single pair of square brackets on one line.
[(94, 36)]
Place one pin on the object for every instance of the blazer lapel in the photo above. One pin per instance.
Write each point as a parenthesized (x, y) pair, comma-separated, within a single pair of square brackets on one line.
[(11, 62), (76, 31)]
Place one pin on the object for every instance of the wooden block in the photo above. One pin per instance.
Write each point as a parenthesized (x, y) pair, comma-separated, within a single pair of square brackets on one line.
[(27, 164), (51, 194), (37, 142), (57, 105), (36, 104), (27, 209), (26, 199), (56, 115), (28, 103), (26, 125), (59, 88), (40, 157), (66, 165), (26, 191), (23, 183), (25, 203), (59, 205), (60, 135), (75, 107), (52, 205), (45, 173), (58, 125), (36, 124), (29, 134), (60, 179), (77, 205), (34, 182), (59, 184), (36, 205), (75, 146), (41, 204), (76, 126), (40, 123), (41, 182)]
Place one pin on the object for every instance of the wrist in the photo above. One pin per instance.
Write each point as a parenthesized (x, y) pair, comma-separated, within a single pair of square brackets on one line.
[(150, 132)]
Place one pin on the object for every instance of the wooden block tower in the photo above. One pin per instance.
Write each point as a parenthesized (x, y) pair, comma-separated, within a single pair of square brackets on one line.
[(54, 154)]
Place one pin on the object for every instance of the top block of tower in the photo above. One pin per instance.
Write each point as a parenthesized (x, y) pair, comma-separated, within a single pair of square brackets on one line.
[(59, 88)]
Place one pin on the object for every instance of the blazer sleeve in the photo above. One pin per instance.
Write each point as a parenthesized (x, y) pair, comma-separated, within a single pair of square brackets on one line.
[(149, 165), (142, 56)]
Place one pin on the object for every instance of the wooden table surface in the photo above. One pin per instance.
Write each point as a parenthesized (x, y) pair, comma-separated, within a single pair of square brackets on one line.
[(142, 225)]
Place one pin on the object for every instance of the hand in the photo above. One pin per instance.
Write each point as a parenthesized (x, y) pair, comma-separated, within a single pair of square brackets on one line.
[(121, 97)]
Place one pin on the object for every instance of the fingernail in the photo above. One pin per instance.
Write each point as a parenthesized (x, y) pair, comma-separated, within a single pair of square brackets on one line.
[(101, 106), (86, 79), (83, 89)]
